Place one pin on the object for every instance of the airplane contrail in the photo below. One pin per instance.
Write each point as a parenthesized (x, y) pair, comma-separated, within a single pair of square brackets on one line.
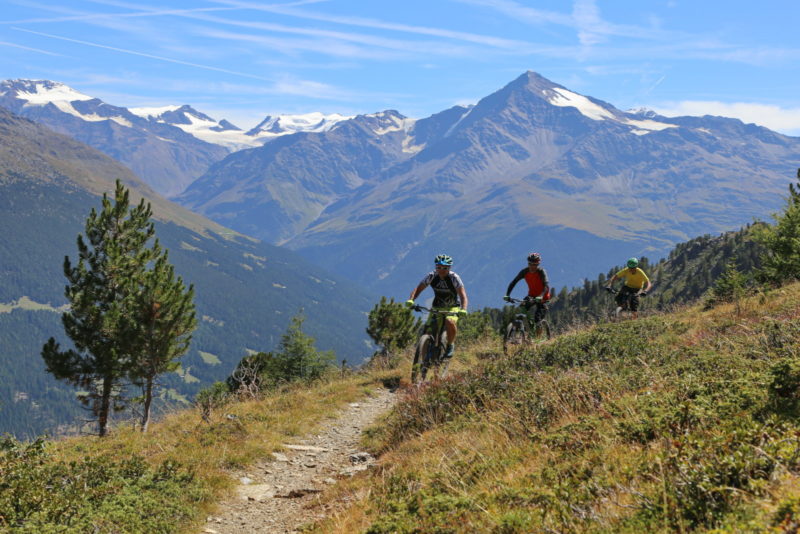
[(5, 43), (142, 54)]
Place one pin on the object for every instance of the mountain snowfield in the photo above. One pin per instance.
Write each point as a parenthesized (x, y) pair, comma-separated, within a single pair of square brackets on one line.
[(232, 137), (558, 96), (191, 121)]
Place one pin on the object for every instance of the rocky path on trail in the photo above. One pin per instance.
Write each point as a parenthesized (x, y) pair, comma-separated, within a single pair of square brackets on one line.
[(281, 494)]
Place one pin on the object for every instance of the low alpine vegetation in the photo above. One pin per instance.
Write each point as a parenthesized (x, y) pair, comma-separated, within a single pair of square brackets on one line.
[(673, 423)]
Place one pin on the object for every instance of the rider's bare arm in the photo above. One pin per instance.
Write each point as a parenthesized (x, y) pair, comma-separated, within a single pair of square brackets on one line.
[(463, 294), (417, 290)]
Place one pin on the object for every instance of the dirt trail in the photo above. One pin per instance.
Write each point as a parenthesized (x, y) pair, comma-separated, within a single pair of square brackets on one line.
[(281, 494)]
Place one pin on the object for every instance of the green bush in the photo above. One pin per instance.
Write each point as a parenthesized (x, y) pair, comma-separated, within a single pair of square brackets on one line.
[(40, 494), (474, 326), (212, 398), (703, 478), (407, 510)]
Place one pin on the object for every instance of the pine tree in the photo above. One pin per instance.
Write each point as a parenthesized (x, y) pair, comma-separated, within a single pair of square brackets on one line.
[(165, 317), (781, 262), (297, 358), (729, 287), (100, 291), (392, 326)]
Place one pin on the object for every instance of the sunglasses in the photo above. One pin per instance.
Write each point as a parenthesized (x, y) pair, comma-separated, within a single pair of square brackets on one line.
[(443, 267)]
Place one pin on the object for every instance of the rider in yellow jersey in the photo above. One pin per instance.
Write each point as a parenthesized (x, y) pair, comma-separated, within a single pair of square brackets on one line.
[(635, 282)]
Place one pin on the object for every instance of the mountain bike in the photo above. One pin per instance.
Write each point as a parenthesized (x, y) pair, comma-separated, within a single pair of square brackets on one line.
[(626, 303), (523, 327), (432, 346)]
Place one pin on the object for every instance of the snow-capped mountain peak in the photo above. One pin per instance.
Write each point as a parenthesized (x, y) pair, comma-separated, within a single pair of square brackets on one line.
[(288, 124), (40, 92), (153, 112), (563, 98), (391, 121), (642, 124), (642, 112)]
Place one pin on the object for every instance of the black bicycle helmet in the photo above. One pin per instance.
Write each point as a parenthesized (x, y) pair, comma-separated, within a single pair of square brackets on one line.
[(534, 257), (443, 259)]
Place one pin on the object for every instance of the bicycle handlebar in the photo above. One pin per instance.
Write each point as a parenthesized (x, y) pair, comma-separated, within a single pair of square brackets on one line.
[(641, 292), (520, 301), (419, 308), (512, 300)]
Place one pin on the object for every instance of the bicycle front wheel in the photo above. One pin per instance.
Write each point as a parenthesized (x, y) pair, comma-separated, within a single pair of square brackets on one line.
[(422, 358), (514, 335), (442, 363)]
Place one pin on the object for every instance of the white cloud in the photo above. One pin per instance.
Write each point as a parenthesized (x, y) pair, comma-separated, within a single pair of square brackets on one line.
[(591, 28), (784, 120)]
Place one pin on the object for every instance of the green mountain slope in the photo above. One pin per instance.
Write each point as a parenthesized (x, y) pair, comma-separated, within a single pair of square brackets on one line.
[(246, 291), (688, 272)]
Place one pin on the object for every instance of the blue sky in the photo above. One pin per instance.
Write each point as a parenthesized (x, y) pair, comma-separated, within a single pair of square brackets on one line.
[(243, 59)]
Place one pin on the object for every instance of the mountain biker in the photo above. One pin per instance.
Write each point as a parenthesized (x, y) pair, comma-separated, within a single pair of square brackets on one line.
[(538, 286), (449, 295), (635, 281)]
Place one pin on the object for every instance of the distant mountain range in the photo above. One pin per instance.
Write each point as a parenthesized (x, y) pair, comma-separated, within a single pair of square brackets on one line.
[(534, 166), (167, 147), (246, 291)]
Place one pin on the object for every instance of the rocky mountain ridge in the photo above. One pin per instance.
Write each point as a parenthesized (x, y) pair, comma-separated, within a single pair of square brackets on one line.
[(533, 166), (168, 147)]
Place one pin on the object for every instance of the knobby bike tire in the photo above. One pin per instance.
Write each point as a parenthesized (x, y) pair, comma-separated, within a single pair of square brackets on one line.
[(422, 356), (441, 364), (514, 335)]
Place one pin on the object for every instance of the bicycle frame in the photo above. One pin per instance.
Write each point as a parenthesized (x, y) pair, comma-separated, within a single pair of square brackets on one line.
[(531, 321), (525, 326), (432, 345), (626, 303)]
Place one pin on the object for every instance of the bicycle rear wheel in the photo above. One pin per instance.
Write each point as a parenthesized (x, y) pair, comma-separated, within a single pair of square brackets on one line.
[(422, 358), (514, 335)]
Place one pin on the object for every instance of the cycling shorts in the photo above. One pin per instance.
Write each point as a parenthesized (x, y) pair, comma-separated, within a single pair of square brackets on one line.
[(451, 318)]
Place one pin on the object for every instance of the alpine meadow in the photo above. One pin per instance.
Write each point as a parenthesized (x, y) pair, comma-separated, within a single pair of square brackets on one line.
[(330, 267)]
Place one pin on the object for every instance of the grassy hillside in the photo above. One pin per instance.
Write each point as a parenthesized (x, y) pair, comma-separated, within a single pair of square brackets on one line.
[(166, 481), (678, 422)]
